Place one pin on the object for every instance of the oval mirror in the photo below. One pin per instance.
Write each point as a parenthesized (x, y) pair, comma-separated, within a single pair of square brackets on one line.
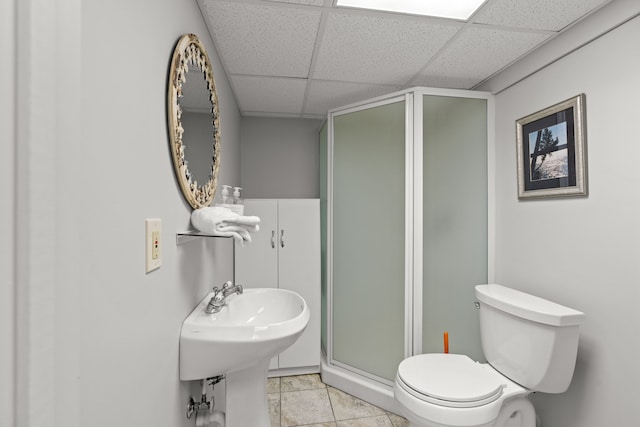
[(194, 121)]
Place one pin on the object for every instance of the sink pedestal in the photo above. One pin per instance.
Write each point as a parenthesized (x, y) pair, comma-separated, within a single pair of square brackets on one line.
[(247, 396)]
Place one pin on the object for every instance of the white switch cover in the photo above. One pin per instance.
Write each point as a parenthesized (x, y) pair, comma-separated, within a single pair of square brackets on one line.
[(153, 240)]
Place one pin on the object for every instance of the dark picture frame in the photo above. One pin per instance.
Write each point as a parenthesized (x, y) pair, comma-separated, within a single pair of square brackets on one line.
[(552, 152)]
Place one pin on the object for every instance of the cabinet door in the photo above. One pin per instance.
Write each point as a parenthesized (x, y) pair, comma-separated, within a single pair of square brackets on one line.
[(299, 271), (256, 263)]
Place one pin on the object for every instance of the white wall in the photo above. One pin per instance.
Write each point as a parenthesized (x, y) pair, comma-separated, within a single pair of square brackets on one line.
[(41, 113), (582, 252), (7, 225), (117, 328), (280, 158)]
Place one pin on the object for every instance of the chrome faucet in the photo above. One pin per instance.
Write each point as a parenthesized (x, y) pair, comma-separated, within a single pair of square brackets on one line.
[(218, 300)]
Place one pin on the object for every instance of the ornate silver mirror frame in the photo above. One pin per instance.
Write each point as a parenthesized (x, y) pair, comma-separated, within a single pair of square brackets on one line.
[(190, 53)]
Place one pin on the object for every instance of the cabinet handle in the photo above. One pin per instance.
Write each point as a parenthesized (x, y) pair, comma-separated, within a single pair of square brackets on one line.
[(282, 238), (273, 239)]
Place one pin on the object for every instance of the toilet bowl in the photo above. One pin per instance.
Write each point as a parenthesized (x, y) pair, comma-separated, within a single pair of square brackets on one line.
[(451, 390), (530, 345)]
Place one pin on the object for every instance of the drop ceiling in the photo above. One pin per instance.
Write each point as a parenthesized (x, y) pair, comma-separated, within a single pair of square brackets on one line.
[(301, 58)]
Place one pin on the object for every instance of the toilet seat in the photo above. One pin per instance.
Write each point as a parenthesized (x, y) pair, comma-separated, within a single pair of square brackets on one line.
[(450, 380)]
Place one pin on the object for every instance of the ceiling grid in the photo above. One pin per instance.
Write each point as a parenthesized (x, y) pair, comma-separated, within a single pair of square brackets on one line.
[(300, 58)]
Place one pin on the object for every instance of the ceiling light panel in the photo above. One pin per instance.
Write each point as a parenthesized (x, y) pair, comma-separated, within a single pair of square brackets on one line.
[(458, 9)]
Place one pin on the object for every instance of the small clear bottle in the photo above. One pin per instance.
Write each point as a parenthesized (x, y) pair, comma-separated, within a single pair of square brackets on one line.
[(238, 202), (224, 200)]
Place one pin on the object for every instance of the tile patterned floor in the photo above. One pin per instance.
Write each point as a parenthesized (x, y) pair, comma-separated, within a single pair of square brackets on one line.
[(303, 400)]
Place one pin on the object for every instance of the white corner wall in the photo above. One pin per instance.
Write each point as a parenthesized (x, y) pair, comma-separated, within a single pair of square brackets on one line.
[(7, 212), (582, 252), (280, 157), (117, 328)]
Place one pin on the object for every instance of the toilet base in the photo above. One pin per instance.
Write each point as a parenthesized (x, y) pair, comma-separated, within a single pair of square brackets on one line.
[(517, 412), (425, 423)]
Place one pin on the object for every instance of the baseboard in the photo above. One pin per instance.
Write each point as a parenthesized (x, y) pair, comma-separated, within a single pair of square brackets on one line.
[(285, 372)]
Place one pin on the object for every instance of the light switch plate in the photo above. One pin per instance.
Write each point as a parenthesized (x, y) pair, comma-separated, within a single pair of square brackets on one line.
[(153, 241)]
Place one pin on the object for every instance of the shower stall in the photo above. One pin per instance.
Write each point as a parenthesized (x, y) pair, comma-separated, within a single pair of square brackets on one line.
[(406, 219)]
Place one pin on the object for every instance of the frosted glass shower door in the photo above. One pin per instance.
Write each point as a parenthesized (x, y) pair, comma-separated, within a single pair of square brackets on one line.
[(455, 210), (368, 232)]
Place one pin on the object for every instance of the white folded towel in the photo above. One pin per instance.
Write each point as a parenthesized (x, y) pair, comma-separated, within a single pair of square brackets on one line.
[(240, 219), (218, 221), (226, 226)]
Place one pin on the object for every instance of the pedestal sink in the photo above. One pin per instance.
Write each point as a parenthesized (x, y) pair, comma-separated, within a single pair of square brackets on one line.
[(238, 342)]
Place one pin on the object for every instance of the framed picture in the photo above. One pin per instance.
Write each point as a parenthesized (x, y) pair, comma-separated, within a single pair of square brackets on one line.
[(551, 151)]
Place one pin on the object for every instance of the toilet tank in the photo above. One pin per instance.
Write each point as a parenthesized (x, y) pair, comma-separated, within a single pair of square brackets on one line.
[(530, 340)]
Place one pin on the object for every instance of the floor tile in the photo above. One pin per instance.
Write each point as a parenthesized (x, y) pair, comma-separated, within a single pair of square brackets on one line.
[(305, 407), (301, 382), (346, 407), (305, 401), (273, 385), (379, 421), (397, 420), (273, 402)]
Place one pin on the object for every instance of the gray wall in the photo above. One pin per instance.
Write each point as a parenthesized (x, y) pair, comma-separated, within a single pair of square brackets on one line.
[(129, 343), (103, 334), (280, 158), (582, 252)]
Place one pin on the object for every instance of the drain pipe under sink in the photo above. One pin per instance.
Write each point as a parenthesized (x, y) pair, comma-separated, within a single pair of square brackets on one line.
[(206, 415), (204, 418)]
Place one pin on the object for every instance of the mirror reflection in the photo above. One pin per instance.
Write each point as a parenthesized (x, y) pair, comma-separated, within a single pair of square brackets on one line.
[(197, 124)]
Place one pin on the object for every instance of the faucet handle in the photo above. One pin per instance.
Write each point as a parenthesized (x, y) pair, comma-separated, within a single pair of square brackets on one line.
[(227, 285)]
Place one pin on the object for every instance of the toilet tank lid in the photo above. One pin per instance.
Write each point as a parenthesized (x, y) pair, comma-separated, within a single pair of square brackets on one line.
[(528, 306)]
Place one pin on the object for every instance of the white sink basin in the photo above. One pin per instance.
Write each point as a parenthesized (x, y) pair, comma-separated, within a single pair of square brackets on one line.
[(251, 328)]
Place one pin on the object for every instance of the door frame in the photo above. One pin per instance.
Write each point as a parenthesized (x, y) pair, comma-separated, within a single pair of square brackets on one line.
[(407, 98)]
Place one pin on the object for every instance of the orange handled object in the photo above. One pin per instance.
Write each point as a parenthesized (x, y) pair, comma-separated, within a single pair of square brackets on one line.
[(446, 342)]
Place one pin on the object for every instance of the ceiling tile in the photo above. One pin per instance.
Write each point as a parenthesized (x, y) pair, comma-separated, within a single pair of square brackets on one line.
[(551, 15), (269, 48), (307, 2), (269, 94), (476, 54), (325, 95), (263, 38), (376, 49)]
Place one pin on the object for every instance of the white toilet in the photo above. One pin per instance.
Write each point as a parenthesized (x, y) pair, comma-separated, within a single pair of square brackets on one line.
[(530, 345)]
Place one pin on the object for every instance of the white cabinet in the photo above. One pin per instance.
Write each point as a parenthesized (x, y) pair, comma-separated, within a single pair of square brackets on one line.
[(285, 254)]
